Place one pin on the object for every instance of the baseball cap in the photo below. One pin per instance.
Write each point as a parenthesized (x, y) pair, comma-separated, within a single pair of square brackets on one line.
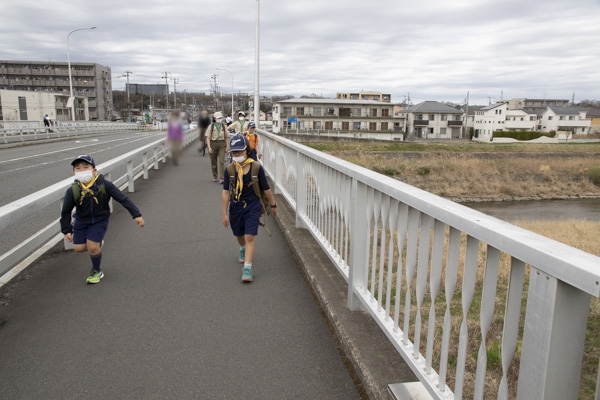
[(218, 114), (242, 113), (84, 157), (251, 125), (237, 143)]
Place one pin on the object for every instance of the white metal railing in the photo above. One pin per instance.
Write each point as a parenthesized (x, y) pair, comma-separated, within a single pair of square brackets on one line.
[(428, 271), (22, 131), (151, 154), (356, 134)]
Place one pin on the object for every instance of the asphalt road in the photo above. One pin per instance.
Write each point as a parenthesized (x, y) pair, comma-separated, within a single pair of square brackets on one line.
[(171, 319), (27, 169)]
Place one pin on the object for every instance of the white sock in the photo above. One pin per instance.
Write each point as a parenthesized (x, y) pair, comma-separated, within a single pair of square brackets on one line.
[(248, 265)]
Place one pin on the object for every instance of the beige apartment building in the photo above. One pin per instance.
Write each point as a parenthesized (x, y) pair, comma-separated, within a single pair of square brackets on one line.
[(332, 115), (368, 95), (27, 105), (91, 82)]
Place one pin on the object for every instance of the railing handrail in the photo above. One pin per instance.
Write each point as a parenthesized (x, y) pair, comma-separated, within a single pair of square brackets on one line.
[(576, 267)]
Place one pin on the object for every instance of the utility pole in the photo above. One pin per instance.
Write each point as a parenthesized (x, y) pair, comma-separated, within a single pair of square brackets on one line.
[(213, 87), (467, 117), (256, 68), (166, 77), (175, 82), (128, 100)]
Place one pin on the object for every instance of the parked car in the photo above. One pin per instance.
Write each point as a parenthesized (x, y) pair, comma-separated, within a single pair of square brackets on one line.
[(193, 125)]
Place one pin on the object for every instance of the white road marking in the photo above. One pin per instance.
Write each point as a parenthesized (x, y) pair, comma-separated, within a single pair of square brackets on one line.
[(71, 148), (70, 157), (86, 141)]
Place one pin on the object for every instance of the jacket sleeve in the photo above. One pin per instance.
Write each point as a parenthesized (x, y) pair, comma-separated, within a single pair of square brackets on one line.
[(65, 214), (125, 201)]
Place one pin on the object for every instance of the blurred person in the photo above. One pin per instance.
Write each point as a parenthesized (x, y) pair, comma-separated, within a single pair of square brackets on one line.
[(217, 142), (241, 125), (204, 122), (252, 138), (246, 197), (228, 120), (90, 195), (175, 136)]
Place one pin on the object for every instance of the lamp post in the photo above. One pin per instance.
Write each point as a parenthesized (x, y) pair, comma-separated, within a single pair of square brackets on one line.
[(256, 65), (223, 69), (69, 66)]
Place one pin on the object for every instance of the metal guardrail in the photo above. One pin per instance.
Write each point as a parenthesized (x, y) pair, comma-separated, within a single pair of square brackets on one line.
[(152, 154), (390, 135), (404, 251), (32, 131)]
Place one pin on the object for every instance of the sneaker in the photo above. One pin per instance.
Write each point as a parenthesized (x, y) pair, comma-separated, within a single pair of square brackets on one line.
[(221, 180), (215, 180), (246, 274), (242, 254), (95, 276)]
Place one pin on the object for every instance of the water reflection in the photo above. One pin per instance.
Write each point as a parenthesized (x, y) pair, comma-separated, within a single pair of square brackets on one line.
[(587, 209)]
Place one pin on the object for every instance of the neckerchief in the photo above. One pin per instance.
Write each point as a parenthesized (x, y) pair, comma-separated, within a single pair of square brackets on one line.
[(219, 127), (239, 184), (242, 122), (85, 190)]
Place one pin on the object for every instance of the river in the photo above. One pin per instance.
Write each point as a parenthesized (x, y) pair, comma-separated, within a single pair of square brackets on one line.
[(538, 210)]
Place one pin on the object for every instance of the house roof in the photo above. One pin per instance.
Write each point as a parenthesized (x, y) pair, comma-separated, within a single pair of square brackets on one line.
[(432, 107), (337, 102), (491, 106), (567, 110), (593, 112)]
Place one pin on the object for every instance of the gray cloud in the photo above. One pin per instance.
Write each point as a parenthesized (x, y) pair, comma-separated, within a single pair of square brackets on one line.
[(434, 49)]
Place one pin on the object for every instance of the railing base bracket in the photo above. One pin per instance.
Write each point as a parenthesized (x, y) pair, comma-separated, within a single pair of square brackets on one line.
[(409, 391)]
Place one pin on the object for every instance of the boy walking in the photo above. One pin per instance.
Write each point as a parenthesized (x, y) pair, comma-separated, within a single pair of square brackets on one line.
[(253, 141), (90, 194), (241, 196)]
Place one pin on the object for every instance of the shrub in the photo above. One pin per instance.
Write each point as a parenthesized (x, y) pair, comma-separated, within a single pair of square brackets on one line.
[(388, 171), (594, 175), (521, 135), (423, 171)]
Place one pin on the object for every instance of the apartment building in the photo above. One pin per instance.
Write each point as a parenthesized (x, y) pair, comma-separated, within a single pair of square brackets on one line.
[(91, 82), (433, 120), (333, 114), (365, 95), (536, 105), (27, 105)]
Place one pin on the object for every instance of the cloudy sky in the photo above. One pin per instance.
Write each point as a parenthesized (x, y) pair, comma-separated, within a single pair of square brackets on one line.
[(432, 49)]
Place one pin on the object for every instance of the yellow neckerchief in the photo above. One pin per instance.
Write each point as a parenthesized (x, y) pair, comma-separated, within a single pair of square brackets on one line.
[(239, 184), (85, 189)]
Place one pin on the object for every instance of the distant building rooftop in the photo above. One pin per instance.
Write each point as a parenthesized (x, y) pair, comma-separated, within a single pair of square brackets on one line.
[(432, 107), (336, 101)]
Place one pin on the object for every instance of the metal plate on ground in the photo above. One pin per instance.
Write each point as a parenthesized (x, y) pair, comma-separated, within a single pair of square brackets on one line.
[(409, 391)]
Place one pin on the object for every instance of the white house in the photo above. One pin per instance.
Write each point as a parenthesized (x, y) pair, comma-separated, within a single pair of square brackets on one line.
[(26, 105), (489, 119), (571, 119), (520, 120), (433, 120)]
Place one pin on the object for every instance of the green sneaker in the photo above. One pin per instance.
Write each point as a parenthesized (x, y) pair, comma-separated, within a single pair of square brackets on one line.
[(242, 255), (246, 274), (95, 276)]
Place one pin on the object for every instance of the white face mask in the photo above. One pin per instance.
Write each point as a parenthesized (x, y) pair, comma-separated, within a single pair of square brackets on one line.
[(84, 176), (219, 120), (241, 118), (239, 159)]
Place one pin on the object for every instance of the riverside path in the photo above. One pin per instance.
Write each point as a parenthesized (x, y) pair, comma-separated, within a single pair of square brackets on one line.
[(171, 319)]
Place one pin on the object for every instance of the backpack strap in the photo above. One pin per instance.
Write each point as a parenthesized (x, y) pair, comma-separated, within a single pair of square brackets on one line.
[(76, 190)]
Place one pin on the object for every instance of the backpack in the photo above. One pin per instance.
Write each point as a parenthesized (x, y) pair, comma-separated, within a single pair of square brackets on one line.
[(76, 189), (252, 139), (264, 200)]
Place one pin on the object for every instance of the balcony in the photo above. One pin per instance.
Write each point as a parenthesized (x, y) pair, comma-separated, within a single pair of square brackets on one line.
[(61, 71), (83, 72), (41, 71), (454, 123), (84, 83), (421, 122)]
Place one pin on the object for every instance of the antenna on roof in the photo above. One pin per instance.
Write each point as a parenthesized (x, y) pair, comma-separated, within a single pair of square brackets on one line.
[(573, 98), (501, 95), (489, 100)]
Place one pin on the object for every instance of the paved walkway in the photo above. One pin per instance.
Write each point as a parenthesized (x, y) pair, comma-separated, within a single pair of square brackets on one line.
[(171, 319)]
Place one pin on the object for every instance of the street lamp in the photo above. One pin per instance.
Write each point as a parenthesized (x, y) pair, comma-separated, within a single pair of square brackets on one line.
[(223, 69), (69, 65), (256, 67)]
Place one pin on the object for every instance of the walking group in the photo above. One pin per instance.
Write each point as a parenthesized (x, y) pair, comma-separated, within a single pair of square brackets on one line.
[(246, 194)]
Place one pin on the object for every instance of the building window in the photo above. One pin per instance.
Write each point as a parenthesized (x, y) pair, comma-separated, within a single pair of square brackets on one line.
[(522, 119), (287, 110), (457, 117), (550, 118), (356, 126), (419, 117), (432, 117), (384, 126), (444, 117), (299, 110), (562, 117), (317, 112), (571, 118), (345, 126), (442, 131), (22, 108), (372, 126), (385, 112), (356, 112), (328, 124), (373, 112), (316, 124), (532, 118)]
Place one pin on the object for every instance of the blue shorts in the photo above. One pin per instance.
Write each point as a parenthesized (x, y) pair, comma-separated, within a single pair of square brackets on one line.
[(244, 220), (254, 154), (94, 232)]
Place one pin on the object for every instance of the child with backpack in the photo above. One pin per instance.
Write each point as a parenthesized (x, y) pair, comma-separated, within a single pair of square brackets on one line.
[(90, 195), (247, 194), (253, 141)]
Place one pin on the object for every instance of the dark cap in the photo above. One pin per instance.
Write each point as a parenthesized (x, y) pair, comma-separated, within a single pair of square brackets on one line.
[(251, 125), (84, 157)]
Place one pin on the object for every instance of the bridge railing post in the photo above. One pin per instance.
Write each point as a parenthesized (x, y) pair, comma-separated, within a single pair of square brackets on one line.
[(301, 192), (130, 177), (357, 276), (278, 168), (553, 339)]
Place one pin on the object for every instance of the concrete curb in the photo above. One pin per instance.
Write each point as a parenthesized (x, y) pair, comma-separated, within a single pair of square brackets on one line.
[(373, 360)]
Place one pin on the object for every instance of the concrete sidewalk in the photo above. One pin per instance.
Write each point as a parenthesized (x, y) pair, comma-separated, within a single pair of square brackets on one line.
[(171, 319)]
